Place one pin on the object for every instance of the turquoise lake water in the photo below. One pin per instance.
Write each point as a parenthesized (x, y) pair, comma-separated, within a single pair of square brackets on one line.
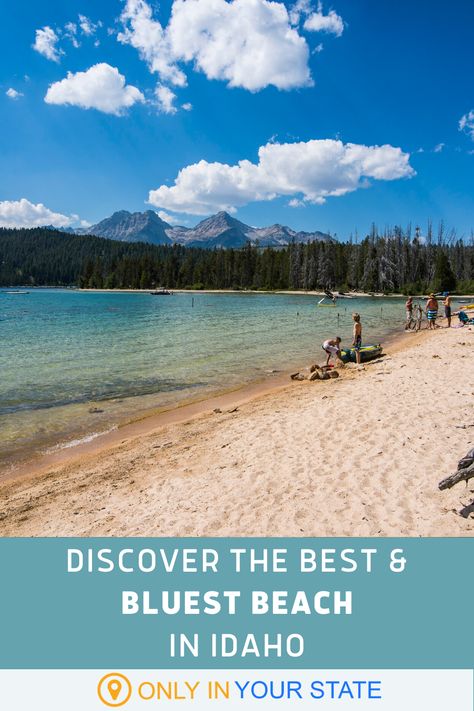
[(65, 352)]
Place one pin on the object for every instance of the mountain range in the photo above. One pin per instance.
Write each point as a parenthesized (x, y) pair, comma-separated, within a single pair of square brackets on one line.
[(220, 230)]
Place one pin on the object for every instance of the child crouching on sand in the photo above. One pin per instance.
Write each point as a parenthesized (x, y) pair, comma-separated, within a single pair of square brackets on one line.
[(333, 348), (357, 336)]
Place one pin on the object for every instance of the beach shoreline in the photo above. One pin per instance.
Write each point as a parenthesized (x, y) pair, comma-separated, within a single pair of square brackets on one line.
[(149, 419), (288, 292), (143, 424), (280, 433)]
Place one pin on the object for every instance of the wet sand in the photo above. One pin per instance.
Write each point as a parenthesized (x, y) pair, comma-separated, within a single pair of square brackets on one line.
[(360, 455)]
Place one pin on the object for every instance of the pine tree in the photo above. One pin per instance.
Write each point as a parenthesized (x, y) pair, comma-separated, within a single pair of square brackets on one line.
[(444, 278)]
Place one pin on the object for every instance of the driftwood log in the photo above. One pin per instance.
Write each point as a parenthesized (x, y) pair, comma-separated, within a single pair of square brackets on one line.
[(464, 472)]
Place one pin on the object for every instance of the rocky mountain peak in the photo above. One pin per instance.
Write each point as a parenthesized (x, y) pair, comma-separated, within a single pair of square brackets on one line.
[(220, 230)]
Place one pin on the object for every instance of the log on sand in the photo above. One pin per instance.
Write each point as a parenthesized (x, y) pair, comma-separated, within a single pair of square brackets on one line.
[(464, 472)]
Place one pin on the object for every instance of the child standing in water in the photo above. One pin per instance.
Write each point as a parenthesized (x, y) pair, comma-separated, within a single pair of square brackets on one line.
[(357, 336)]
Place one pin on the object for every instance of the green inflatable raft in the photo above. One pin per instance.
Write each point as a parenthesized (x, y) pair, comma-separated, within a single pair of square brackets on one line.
[(366, 353)]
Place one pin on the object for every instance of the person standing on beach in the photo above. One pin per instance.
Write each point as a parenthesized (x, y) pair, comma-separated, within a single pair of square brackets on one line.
[(357, 336), (432, 310), (447, 308), (332, 346), (409, 312)]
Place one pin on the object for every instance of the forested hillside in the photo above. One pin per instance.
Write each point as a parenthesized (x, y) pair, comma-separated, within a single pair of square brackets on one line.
[(392, 262)]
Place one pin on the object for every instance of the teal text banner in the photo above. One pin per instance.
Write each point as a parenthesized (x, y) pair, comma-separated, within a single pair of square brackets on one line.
[(418, 617)]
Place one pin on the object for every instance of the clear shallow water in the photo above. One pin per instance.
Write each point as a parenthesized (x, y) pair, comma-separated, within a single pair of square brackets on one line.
[(65, 352)]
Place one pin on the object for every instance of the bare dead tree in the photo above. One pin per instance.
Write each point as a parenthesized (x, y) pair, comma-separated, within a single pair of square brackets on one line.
[(465, 471)]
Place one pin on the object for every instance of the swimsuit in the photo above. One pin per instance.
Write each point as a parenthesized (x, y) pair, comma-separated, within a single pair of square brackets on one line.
[(432, 314), (358, 343), (447, 311)]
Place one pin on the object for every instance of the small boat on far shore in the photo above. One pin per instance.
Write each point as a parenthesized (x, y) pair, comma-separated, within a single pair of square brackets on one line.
[(328, 297), (332, 296), (320, 303), (161, 292)]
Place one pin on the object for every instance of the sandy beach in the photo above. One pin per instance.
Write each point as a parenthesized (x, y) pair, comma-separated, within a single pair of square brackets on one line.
[(360, 455)]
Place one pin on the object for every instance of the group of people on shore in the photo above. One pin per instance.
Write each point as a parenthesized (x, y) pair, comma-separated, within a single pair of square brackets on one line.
[(414, 315), (414, 312)]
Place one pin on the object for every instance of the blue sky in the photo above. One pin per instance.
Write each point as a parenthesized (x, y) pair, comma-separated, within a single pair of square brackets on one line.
[(300, 83)]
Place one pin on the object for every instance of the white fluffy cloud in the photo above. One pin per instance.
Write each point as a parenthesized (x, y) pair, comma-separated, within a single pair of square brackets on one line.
[(13, 93), (319, 22), (46, 41), (23, 213), (307, 172), (466, 123), (251, 44), (165, 99), (101, 87), (247, 43)]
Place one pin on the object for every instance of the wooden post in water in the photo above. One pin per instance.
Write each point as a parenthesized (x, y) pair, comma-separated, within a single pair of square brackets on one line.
[(192, 305)]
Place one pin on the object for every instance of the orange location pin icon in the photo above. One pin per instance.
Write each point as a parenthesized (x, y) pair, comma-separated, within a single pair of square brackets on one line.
[(114, 690), (115, 687)]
